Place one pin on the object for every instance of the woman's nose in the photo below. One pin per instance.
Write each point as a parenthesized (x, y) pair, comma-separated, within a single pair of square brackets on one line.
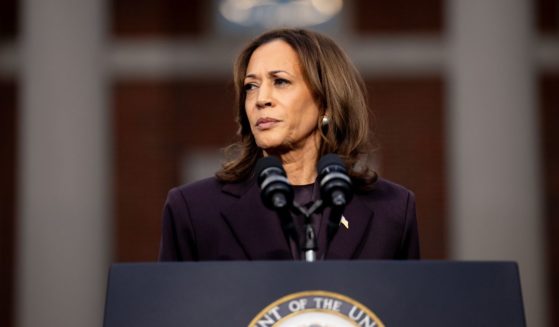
[(264, 97)]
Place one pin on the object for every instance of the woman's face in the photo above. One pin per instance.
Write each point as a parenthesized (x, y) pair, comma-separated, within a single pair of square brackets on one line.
[(281, 110)]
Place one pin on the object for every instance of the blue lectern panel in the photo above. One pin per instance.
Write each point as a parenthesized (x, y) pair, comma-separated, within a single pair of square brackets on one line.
[(399, 293)]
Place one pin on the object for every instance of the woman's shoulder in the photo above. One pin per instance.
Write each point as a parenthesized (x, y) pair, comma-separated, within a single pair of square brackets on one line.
[(388, 188), (205, 195), (208, 188), (385, 191), (198, 188)]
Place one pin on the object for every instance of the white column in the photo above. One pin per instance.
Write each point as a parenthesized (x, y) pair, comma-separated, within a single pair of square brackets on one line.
[(494, 146), (64, 209)]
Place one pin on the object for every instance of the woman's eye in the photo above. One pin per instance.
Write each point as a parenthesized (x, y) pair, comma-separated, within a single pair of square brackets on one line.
[(249, 86), (281, 82)]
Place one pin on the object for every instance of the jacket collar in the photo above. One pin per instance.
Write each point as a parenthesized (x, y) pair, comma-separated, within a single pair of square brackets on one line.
[(257, 228), (346, 242), (259, 231)]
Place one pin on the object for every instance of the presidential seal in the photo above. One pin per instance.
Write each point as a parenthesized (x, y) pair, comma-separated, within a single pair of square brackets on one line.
[(316, 309)]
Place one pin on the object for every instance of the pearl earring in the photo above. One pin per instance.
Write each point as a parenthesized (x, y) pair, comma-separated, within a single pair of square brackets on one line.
[(325, 121)]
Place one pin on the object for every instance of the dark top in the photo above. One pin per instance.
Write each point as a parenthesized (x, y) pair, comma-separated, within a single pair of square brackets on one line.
[(210, 220)]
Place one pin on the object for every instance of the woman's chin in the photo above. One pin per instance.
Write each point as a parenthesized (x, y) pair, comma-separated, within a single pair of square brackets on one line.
[(270, 150), (269, 145), (274, 149)]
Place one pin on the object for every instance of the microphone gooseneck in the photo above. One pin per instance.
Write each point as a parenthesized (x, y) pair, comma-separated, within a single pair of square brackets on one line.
[(335, 191), (277, 193)]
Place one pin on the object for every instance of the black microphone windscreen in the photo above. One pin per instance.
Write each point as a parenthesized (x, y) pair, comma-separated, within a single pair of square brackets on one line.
[(267, 162), (328, 160)]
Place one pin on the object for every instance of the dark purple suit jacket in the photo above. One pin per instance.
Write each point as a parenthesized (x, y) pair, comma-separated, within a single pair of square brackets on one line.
[(208, 220)]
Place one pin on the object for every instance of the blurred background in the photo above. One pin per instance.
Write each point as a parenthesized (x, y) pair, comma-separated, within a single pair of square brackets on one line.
[(106, 105)]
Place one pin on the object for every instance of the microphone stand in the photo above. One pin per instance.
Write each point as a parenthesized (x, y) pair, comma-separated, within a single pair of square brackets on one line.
[(288, 226), (310, 244)]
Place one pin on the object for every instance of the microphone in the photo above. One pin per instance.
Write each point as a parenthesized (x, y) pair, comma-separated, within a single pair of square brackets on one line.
[(335, 184), (276, 192), (335, 190)]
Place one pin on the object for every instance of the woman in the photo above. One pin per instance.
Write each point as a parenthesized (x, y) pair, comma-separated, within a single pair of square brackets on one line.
[(298, 98)]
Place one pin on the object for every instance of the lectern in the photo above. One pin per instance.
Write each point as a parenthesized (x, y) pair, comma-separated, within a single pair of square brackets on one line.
[(328, 293)]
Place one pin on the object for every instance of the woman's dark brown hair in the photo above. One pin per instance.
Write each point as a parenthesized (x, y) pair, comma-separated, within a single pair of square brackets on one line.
[(339, 91)]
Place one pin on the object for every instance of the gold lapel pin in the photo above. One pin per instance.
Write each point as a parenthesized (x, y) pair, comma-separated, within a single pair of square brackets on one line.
[(344, 222)]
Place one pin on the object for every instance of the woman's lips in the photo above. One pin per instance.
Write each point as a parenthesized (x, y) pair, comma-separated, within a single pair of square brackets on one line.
[(266, 123)]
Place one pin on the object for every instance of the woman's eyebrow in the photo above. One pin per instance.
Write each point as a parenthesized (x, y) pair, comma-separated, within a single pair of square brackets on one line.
[(270, 73), (275, 72)]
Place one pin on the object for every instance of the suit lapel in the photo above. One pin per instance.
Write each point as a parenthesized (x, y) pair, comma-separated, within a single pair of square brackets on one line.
[(346, 241), (257, 229)]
